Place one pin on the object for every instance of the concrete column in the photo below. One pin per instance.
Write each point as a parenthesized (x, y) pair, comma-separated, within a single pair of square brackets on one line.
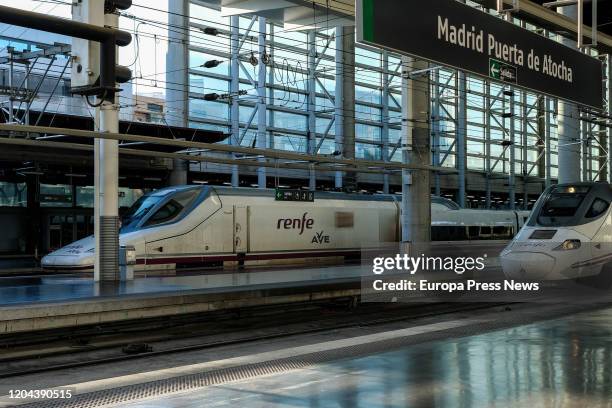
[(416, 194), (262, 136), (312, 105), (106, 188), (339, 100), (348, 102), (234, 89), (177, 95), (568, 121), (461, 135)]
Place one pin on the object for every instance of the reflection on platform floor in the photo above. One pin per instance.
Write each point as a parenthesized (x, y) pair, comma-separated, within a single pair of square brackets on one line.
[(558, 363), (62, 288)]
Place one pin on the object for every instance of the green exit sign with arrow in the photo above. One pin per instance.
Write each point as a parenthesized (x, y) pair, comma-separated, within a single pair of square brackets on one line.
[(501, 71)]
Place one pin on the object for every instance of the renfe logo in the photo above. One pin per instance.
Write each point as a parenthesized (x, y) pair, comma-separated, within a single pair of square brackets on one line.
[(295, 223)]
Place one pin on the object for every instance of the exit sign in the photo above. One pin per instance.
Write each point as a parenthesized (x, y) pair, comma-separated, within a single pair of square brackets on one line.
[(293, 195), (501, 71)]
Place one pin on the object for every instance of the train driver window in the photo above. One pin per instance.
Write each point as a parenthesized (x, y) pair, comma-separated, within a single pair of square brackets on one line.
[(598, 207), (173, 208)]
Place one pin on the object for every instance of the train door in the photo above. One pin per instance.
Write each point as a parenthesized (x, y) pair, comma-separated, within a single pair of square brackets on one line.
[(241, 229)]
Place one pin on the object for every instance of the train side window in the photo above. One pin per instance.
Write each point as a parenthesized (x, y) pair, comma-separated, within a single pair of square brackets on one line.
[(502, 231), (598, 207), (473, 231), (448, 233), (173, 208), (486, 230)]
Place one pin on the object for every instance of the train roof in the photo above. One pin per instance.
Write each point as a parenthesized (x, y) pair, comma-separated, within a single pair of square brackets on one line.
[(325, 195)]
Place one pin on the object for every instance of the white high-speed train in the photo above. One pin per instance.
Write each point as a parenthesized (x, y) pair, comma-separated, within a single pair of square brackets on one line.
[(567, 236), (203, 225)]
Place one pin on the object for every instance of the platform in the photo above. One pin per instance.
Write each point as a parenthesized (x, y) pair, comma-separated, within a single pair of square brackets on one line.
[(36, 303), (552, 355)]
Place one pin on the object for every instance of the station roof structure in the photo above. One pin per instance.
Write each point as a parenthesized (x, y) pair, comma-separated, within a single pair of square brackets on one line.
[(299, 14), (62, 120)]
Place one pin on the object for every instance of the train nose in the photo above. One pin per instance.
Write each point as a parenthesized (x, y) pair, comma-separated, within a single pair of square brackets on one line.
[(527, 265)]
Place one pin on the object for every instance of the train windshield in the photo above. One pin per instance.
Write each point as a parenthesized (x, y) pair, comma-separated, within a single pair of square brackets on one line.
[(568, 205), (157, 209), (139, 210)]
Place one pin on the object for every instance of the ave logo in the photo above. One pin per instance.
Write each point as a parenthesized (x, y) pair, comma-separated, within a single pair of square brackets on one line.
[(320, 238)]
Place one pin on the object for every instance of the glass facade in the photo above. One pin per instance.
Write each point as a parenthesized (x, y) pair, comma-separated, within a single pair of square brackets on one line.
[(504, 126)]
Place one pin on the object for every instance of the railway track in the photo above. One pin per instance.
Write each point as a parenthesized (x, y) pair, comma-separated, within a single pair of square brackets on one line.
[(133, 340)]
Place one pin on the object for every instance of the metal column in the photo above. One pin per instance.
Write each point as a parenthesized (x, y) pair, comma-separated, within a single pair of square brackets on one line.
[(461, 135), (339, 101), (435, 126), (177, 95), (568, 120), (348, 102), (234, 89), (609, 112), (512, 170), (311, 143), (548, 154), (416, 193), (10, 84), (524, 149), (585, 145), (262, 137), (488, 144), (385, 117)]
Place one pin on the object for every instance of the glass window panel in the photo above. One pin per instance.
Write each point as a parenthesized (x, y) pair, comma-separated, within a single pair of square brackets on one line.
[(209, 17), (475, 131), (327, 147), (367, 113), (367, 57), (476, 163), (323, 123), (289, 121), (367, 151), (324, 104), (249, 139), (197, 59), (201, 109), (203, 84), (55, 195), (475, 116), (210, 126), (366, 94), (367, 132), (293, 143), (293, 38), (13, 194), (289, 99), (245, 113)]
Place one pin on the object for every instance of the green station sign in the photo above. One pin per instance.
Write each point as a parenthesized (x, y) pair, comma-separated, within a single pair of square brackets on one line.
[(456, 35)]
